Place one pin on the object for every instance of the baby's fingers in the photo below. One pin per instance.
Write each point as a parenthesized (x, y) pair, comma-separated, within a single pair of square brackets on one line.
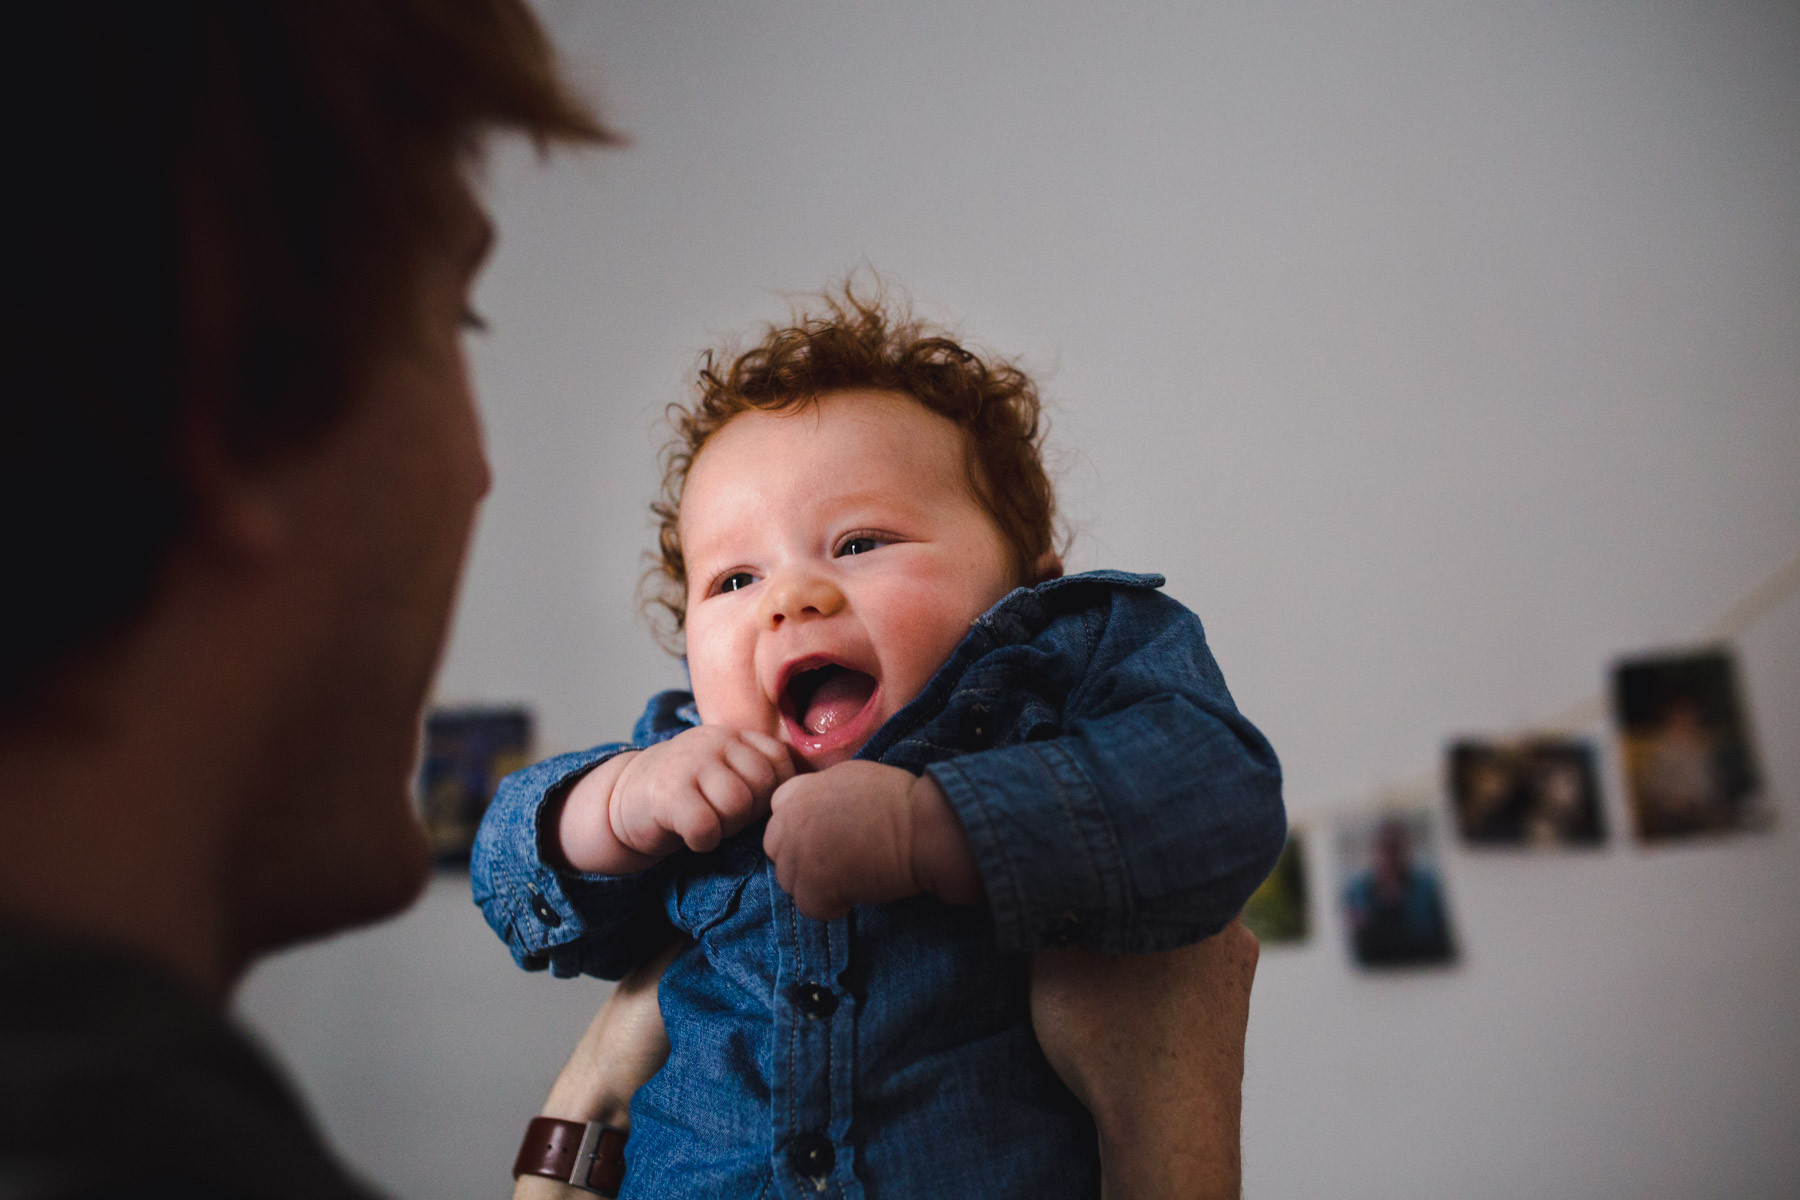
[(731, 797), (753, 767), (694, 820), (816, 899), (793, 875), (774, 834), (785, 793), (774, 751)]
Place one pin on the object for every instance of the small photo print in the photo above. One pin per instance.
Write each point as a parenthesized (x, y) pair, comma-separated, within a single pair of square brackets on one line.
[(1277, 912), (1690, 767), (467, 752), (1533, 792), (1393, 898)]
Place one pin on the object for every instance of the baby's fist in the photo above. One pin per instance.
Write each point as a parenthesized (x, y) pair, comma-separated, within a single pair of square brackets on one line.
[(696, 789), (865, 833)]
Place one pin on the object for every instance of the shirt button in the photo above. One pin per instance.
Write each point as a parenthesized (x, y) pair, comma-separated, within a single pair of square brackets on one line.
[(815, 1000), (977, 726), (812, 1155), (1066, 929), (540, 906)]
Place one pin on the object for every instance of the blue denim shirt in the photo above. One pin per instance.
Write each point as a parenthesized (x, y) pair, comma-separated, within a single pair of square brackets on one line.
[(1113, 797)]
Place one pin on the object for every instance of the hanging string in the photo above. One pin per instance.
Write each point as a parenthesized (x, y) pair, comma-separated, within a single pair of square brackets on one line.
[(1583, 715), (1759, 603)]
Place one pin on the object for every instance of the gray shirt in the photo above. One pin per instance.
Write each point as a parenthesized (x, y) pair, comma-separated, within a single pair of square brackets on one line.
[(117, 1080)]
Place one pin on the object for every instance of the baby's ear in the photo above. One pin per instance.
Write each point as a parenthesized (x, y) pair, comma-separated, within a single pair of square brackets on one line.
[(1047, 567)]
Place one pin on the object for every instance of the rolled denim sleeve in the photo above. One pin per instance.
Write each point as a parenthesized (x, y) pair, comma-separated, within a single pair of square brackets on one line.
[(572, 923), (1148, 820)]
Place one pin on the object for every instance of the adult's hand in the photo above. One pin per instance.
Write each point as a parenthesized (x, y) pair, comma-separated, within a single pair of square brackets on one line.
[(1153, 1045), (623, 1047)]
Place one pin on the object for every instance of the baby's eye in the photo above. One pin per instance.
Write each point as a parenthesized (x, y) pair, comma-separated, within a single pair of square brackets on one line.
[(736, 581), (858, 545)]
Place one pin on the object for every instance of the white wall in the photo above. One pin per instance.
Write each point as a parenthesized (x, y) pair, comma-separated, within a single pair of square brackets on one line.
[(1437, 352)]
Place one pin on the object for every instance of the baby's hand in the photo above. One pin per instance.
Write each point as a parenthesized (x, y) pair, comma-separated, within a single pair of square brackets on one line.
[(865, 833), (696, 789)]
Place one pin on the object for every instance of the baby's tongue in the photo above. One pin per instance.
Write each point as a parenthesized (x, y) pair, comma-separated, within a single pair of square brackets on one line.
[(839, 698)]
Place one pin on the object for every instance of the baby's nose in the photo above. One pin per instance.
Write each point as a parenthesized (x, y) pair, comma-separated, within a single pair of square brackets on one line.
[(799, 595)]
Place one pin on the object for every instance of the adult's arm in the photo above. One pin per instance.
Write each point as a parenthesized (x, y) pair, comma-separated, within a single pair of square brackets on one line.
[(1153, 1045), (623, 1047)]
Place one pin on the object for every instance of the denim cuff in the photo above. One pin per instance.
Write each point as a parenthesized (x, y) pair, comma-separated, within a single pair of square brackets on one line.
[(1053, 870), (540, 912), (1141, 831)]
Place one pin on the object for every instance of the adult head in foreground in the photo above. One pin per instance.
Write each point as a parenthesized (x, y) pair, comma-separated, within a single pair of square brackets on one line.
[(238, 465), (238, 473)]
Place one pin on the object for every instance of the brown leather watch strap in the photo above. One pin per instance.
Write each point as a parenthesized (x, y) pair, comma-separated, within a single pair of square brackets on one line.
[(590, 1156)]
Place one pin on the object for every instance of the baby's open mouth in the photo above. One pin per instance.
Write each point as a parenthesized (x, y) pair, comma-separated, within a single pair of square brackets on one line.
[(827, 696)]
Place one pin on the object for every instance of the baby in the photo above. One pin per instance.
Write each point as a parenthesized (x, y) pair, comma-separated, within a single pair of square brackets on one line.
[(962, 756)]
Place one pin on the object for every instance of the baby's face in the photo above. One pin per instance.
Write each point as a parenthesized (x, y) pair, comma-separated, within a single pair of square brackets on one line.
[(836, 556)]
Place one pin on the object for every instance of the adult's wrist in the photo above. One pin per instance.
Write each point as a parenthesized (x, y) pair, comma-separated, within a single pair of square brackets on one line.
[(584, 1155), (580, 1098), (587, 1087), (573, 1106)]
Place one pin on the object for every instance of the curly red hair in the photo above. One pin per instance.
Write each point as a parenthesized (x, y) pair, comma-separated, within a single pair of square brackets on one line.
[(850, 341)]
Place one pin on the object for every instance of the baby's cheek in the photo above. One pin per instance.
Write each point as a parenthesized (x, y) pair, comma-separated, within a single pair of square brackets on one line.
[(734, 713), (925, 633), (724, 700)]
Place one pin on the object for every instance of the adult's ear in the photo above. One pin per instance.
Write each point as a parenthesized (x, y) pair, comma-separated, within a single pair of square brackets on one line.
[(233, 508), (1046, 567), (238, 509)]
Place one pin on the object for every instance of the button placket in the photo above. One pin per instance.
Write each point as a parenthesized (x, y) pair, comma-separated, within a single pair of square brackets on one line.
[(812, 1156), (807, 1046), (977, 726), (1064, 931), (816, 1000)]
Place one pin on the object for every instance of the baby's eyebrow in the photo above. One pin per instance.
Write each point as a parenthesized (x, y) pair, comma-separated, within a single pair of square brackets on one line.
[(860, 505), (870, 498), (705, 560)]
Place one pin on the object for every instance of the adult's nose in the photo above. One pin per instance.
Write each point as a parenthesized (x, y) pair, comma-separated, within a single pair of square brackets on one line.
[(798, 594)]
